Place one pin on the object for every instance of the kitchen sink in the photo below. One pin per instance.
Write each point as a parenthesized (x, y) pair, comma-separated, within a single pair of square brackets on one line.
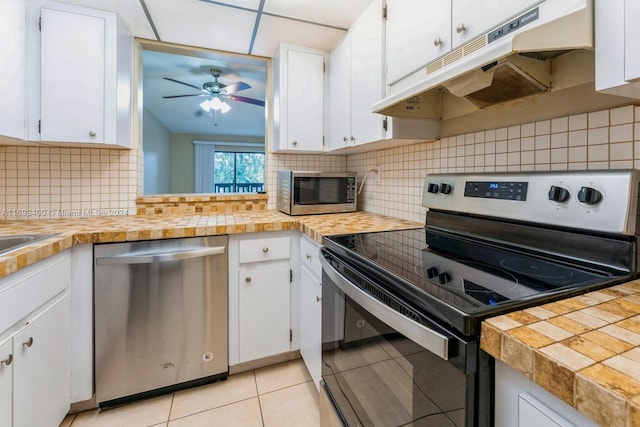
[(12, 243)]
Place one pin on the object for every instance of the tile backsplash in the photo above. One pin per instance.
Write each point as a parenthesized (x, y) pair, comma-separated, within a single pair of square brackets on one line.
[(48, 182), (607, 139), (53, 182)]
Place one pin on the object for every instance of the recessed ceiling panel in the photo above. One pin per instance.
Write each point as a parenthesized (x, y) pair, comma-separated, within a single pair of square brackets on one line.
[(274, 30), (130, 12), (337, 13), (203, 24)]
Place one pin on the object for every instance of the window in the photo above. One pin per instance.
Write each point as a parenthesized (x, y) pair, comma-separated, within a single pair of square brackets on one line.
[(222, 167), (235, 172)]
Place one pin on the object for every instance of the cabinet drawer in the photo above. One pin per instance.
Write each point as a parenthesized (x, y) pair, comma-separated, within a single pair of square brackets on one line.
[(310, 256), (24, 291), (264, 248)]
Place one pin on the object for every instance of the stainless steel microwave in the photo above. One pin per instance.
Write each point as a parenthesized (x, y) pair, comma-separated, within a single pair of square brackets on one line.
[(306, 193)]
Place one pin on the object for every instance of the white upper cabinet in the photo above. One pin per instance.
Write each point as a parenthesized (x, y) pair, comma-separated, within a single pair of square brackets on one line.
[(80, 67), (356, 82), (469, 19), (299, 96), (617, 49), (417, 32), (13, 66), (420, 32)]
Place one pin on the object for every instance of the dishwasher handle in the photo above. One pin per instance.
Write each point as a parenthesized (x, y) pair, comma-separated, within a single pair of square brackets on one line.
[(151, 257)]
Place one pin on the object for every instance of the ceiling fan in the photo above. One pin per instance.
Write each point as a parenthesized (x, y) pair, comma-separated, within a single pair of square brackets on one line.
[(217, 92)]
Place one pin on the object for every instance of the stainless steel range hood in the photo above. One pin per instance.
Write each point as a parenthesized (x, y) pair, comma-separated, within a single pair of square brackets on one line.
[(503, 64)]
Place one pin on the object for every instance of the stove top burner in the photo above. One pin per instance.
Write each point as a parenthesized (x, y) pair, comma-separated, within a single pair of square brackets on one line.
[(536, 268)]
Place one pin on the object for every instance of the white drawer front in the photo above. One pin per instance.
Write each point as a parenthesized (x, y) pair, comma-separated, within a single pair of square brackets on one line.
[(24, 291), (264, 248), (310, 256)]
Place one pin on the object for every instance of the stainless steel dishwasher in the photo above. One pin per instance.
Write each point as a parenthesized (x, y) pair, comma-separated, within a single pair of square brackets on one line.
[(160, 316)]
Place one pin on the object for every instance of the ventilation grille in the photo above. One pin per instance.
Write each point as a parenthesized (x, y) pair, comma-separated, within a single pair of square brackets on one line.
[(380, 294), (458, 54)]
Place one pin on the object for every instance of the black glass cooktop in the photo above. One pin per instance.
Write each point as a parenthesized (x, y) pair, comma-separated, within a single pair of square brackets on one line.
[(466, 281)]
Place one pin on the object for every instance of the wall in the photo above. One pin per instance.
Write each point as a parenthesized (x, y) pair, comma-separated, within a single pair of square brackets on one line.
[(51, 182), (157, 155), (606, 139), (182, 155)]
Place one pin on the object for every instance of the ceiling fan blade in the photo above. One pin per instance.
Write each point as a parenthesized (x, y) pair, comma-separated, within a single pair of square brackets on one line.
[(235, 87), (182, 83), (247, 100), (182, 96)]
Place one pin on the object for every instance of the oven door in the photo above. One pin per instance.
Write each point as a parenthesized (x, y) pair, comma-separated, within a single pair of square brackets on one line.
[(383, 364)]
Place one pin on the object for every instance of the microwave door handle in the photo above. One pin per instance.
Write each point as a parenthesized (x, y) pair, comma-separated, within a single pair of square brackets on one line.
[(148, 258), (431, 340)]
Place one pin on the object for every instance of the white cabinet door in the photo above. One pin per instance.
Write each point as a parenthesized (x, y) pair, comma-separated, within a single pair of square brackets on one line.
[(366, 75), (469, 20), (263, 312), (13, 65), (340, 96), (6, 382), (306, 101), (299, 96), (311, 324), (42, 370), (79, 66), (631, 40), (72, 78), (417, 32)]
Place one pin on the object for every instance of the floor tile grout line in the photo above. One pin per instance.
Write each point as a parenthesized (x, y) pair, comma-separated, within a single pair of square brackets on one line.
[(212, 409), (255, 379), (284, 388)]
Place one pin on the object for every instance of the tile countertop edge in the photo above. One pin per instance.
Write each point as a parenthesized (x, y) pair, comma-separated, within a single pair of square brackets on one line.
[(70, 232), (585, 350)]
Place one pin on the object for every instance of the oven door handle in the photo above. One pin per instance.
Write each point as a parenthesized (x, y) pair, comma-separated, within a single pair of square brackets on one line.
[(431, 340)]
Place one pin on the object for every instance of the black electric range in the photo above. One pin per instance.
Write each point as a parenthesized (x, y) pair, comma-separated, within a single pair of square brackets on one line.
[(401, 310)]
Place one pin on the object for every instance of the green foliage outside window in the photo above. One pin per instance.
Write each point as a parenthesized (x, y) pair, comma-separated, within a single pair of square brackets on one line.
[(238, 168)]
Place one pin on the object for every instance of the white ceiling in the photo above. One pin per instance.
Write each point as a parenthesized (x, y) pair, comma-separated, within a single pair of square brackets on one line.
[(254, 27)]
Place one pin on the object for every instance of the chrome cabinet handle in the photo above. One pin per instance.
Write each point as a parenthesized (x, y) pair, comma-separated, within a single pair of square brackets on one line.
[(247, 279), (7, 361), (28, 343), (353, 138), (92, 133), (148, 258), (294, 142), (318, 299), (438, 42), (345, 139), (461, 28), (265, 249), (309, 257)]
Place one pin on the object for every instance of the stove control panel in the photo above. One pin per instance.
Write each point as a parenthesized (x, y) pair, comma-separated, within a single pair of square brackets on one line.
[(605, 200)]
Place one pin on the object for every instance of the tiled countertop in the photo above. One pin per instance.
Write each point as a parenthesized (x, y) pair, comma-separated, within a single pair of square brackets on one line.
[(585, 350), (71, 231)]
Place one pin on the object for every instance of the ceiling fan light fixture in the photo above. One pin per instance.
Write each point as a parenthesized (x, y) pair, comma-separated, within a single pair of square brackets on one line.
[(215, 104), (224, 107)]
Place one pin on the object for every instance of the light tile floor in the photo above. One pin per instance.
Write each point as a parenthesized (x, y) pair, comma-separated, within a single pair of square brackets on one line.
[(278, 395)]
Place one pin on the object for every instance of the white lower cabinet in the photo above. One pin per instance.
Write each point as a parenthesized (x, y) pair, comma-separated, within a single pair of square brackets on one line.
[(259, 296), (521, 402), (311, 308), (263, 313), (42, 367), (6, 382), (35, 344)]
